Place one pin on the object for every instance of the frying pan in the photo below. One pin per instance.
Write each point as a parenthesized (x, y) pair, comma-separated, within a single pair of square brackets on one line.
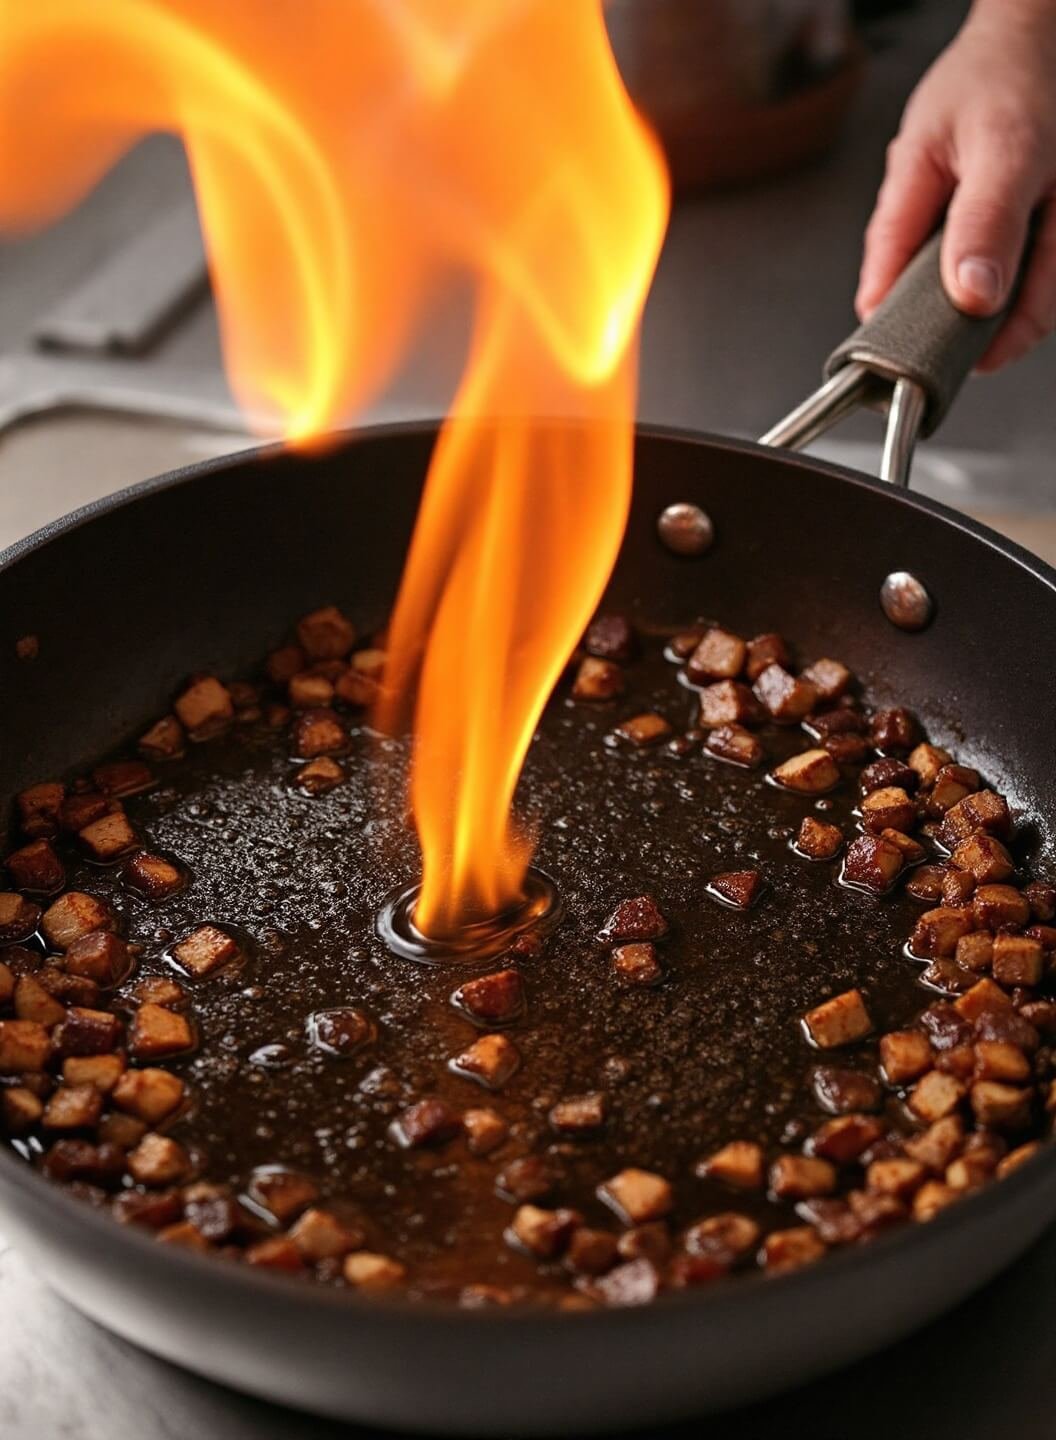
[(203, 569)]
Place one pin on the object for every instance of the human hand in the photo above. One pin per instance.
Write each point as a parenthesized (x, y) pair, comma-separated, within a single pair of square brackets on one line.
[(979, 137)]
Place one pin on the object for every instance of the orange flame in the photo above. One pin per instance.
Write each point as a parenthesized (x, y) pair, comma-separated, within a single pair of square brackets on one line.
[(349, 157)]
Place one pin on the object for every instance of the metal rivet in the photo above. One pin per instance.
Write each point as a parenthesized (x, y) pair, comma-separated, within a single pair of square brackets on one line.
[(905, 601), (686, 529)]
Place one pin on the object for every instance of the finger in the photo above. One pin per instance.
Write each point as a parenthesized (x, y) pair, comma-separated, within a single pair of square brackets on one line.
[(986, 227), (911, 199), (1033, 315)]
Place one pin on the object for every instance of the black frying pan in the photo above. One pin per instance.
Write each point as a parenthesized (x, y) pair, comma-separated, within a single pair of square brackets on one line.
[(204, 568)]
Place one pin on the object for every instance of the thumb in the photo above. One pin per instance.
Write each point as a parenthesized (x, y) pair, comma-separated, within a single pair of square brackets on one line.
[(986, 229)]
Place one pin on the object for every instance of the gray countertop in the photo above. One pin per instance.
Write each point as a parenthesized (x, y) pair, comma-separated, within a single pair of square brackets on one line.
[(754, 289)]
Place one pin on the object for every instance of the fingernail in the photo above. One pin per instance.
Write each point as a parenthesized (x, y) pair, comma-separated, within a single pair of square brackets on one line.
[(980, 278)]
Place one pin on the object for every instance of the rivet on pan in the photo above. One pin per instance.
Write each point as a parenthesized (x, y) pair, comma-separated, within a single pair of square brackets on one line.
[(905, 601), (686, 529)]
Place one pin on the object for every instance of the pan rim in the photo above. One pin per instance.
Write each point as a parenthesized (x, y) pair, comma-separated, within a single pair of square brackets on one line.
[(711, 1301)]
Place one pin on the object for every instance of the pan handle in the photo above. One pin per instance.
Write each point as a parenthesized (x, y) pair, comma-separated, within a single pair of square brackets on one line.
[(910, 358)]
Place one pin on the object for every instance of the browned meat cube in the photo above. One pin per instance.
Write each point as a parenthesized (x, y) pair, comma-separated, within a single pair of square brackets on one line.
[(727, 702), (428, 1122), (102, 1071), (1018, 1157), (946, 975), (205, 950), (153, 876), (20, 1109), (319, 776), (735, 744), (320, 1235), (997, 1060), (485, 1130), (109, 837), (71, 1160), (1042, 1014), (720, 655), (158, 1160), (278, 1252), (927, 761), (846, 749), (326, 634), (811, 773), (958, 887), (36, 868), (797, 1177), (19, 918), (88, 1032), (24, 1047), (872, 863), (1017, 960), (740, 1164), (841, 1091), (543, 1233), (205, 708), (764, 651), (950, 786), (791, 1249), (682, 645), (341, 1031), (1042, 899), (319, 732), (34, 1002), (845, 1137), (1044, 934), (959, 1061), (123, 1131), (490, 1061), (164, 740), (844, 720), (7, 983), (492, 999), (818, 840), (982, 811), (68, 989), (610, 637), (102, 957), (930, 1199), (309, 691), (637, 964), (529, 1178), (1000, 1107), (786, 698), (738, 889), (159, 990), (157, 1032), (597, 680), (894, 731), (937, 932), (728, 1235), (283, 1193), (365, 1270), (74, 915), (912, 851), (150, 1095), (579, 1114), (839, 1021), (637, 1196), (81, 809), (904, 1055), (123, 777), (637, 919), (936, 1146), (590, 1252), (998, 906), (975, 951), (643, 729), (888, 808), (184, 1235), (356, 689), (896, 1176), (926, 883), (635, 1283), (882, 774), (646, 1242), (283, 664), (73, 1107), (38, 807), (985, 857), (981, 999), (936, 1095), (829, 678)]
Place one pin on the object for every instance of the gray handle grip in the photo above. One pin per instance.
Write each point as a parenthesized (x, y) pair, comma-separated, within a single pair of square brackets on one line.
[(918, 333)]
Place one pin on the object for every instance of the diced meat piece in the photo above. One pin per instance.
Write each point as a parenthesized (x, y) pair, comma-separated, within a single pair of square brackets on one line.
[(936, 1146), (946, 1027), (644, 729), (159, 990), (818, 839), (883, 774), (959, 1062), (590, 1252), (958, 887), (1000, 1107), (846, 749), (205, 708), (38, 807), (888, 808), (946, 975), (153, 876), (637, 919), (341, 1031), (485, 1130), (982, 811), (150, 1095), (937, 931), (490, 1061), (24, 1047), (983, 997), (74, 915), (646, 1242), (543, 1233), (811, 773), (20, 1109), (844, 720), (985, 857), (897, 1176), (842, 1092), (7, 983), (930, 1199), (998, 1060), (682, 645), (109, 837), (283, 1193), (738, 889), (88, 1032), (597, 680), (926, 883), (278, 1252), (124, 1131), (71, 1160), (205, 950), (830, 678), (727, 702), (283, 664), (1042, 899), (1041, 1014), (319, 732), (529, 1178), (427, 1122), (905, 1055), (184, 1235), (975, 951), (492, 999), (736, 745), (720, 655), (19, 917), (102, 1071), (365, 1270), (894, 731), (73, 1107), (936, 1095), (310, 691), (81, 808), (927, 761), (764, 651), (1017, 960), (326, 634), (951, 785), (319, 776), (912, 851), (997, 907), (872, 863), (635, 1283), (356, 689), (1015, 1158), (637, 1196), (845, 1137), (636, 964), (839, 1021), (67, 989), (123, 777), (797, 1177), (1044, 934), (791, 1249), (320, 1235), (157, 1032), (36, 868), (786, 698), (164, 740), (158, 1160), (739, 1163), (729, 1234), (579, 1114)]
